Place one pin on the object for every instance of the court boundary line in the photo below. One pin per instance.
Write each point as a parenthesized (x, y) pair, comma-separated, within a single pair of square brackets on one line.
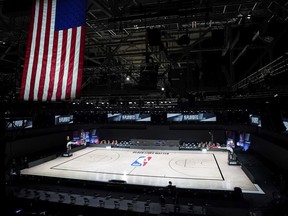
[(257, 191), (53, 167), (56, 167), (148, 176), (203, 178), (218, 167)]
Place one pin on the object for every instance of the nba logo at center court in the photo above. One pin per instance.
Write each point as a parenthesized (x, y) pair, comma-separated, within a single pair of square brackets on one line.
[(141, 161)]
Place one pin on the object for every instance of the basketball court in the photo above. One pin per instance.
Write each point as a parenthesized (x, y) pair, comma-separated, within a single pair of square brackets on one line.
[(185, 169)]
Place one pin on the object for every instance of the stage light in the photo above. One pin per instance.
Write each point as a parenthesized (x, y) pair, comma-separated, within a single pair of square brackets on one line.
[(18, 211)]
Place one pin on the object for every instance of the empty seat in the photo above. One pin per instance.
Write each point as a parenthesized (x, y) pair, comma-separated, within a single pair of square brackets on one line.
[(101, 203)]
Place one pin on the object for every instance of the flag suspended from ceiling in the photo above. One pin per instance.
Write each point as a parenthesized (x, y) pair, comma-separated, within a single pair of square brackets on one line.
[(55, 51)]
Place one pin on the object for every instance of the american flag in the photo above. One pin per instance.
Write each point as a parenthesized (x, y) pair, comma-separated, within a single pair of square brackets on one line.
[(55, 51)]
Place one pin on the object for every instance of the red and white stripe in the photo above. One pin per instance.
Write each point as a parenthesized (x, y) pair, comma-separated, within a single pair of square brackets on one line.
[(54, 59)]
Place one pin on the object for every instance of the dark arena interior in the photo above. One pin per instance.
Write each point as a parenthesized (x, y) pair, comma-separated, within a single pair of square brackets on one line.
[(142, 107)]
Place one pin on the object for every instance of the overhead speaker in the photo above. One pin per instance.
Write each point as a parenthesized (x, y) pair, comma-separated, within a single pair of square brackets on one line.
[(271, 29), (278, 10), (148, 77), (154, 37), (183, 40), (276, 118), (271, 118), (16, 8)]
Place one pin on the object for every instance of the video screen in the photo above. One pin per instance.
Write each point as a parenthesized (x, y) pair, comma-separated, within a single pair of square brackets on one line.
[(201, 117), (255, 120), (238, 139), (119, 117), (85, 136), (15, 123), (76, 137), (94, 137), (63, 119), (285, 122), (174, 117), (230, 139)]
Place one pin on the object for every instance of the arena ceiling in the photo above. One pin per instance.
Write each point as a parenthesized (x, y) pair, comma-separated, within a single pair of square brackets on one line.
[(165, 48)]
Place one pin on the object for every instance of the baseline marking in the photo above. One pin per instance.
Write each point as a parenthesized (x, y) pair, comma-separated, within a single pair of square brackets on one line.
[(218, 167)]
